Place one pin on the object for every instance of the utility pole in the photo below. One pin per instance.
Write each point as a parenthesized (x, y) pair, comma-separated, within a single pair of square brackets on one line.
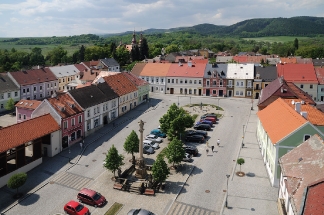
[(227, 176)]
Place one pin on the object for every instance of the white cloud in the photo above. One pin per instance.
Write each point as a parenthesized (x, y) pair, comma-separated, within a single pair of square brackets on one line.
[(72, 17)]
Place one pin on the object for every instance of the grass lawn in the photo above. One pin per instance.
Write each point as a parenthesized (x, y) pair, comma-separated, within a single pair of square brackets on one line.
[(282, 39), (114, 209)]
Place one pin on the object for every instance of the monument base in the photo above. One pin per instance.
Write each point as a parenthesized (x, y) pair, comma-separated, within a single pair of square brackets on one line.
[(140, 173)]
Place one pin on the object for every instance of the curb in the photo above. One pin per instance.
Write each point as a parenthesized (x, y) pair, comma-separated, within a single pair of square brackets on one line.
[(180, 190)]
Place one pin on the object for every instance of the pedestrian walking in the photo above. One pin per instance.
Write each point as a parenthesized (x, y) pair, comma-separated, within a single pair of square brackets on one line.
[(81, 145), (207, 150), (212, 148), (218, 142)]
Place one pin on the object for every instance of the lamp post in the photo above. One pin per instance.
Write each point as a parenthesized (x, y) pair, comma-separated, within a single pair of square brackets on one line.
[(227, 176), (218, 105), (69, 155), (178, 102), (251, 104)]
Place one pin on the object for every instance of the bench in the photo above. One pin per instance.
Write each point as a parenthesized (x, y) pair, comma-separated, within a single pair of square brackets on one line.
[(149, 192), (118, 186)]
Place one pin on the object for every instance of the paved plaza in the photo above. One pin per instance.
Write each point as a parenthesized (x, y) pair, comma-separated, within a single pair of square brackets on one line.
[(196, 188)]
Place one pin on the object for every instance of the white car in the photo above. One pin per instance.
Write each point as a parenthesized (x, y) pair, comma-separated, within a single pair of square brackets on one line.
[(151, 143), (154, 138)]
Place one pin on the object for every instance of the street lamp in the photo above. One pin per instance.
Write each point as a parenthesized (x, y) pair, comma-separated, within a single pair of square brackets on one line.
[(218, 105), (69, 155), (178, 102), (227, 176)]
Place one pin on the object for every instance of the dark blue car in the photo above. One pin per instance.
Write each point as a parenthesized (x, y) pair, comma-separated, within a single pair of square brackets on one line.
[(205, 122)]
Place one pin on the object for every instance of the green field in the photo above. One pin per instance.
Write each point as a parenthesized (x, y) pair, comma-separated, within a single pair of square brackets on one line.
[(45, 48), (282, 39)]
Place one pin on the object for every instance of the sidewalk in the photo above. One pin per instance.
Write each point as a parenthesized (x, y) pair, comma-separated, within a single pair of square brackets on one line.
[(251, 194)]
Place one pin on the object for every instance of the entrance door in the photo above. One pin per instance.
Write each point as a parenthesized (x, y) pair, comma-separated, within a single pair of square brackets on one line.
[(230, 93), (256, 95), (220, 93), (105, 120), (65, 142), (207, 92), (199, 92), (152, 89), (171, 90)]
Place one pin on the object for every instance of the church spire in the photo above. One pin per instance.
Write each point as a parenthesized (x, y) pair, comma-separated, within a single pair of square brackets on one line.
[(134, 38)]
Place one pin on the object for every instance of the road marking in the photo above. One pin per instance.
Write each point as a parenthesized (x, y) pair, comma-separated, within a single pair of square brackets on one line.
[(71, 180), (180, 208)]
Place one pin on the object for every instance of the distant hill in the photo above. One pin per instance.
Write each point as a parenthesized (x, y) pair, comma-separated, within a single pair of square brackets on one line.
[(295, 26)]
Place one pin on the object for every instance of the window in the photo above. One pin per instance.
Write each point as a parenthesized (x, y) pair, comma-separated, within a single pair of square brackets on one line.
[(195, 91), (65, 125), (1, 106), (248, 93), (2, 96), (59, 80), (168, 80), (88, 125), (176, 81), (237, 93), (80, 119), (190, 81), (195, 81), (55, 84), (41, 95), (152, 80), (88, 113), (181, 90), (19, 116), (161, 89), (47, 85), (157, 80), (40, 87), (156, 88), (24, 116), (301, 86), (241, 93), (181, 81), (199, 81), (172, 81), (9, 95), (94, 110), (237, 83), (214, 83), (311, 86), (249, 83), (73, 122), (242, 83), (27, 90), (162, 80), (63, 79), (220, 83), (34, 96), (214, 92), (306, 137), (35, 89), (185, 81)]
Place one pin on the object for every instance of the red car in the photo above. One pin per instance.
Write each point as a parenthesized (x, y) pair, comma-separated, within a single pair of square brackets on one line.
[(212, 119), (91, 197), (75, 208)]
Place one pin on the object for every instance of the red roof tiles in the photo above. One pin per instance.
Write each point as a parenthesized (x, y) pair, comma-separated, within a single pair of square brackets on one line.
[(28, 104), (33, 76), (21, 133), (189, 70), (120, 84), (64, 100), (301, 73), (320, 74)]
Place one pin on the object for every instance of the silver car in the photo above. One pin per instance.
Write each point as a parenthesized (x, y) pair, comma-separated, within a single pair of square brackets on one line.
[(139, 212), (148, 150), (152, 144), (154, 138), (187, 157)]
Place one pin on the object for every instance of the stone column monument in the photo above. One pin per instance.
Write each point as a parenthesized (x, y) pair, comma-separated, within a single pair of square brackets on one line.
[(141, 169)]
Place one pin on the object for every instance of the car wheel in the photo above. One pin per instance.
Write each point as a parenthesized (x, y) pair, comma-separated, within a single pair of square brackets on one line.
[(95, 206)]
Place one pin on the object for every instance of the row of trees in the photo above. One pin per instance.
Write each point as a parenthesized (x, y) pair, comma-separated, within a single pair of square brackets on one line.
[(174, 122)]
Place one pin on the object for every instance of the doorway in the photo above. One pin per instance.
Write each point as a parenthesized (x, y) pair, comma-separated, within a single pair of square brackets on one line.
[(257, 95), (230, 93), (220, 93), (207, 92), (171, 90), (199, 92)]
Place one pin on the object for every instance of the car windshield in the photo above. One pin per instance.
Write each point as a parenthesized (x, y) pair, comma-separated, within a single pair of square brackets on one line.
[(136, 211), (79, 207), (96, 197)]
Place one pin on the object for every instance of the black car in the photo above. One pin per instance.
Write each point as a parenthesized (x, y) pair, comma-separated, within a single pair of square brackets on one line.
[(191, 150), (195, 138), (193, 132), (205, 127)]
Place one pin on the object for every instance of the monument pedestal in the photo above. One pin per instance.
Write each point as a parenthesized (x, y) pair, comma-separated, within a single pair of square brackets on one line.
[(140, 172)]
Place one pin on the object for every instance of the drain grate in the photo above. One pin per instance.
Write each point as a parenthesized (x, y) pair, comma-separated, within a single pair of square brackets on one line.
[(207, 191)]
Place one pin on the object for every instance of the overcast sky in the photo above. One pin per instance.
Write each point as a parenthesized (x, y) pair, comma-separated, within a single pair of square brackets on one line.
[(36, 18)]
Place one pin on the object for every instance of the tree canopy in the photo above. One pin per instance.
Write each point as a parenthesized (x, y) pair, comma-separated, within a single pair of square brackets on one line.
[(175, 152), (160, 170), (131, 144), (10, 105), (17, 180), (113, 160)]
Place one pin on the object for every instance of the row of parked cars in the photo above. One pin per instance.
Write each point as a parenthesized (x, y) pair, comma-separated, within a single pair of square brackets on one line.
[(206, 122)]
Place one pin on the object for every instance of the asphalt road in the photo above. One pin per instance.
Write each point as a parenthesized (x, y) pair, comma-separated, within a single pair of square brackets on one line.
[(203, 190)]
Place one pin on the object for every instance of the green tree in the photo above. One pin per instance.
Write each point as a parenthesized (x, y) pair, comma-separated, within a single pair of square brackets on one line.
[(10, 105), (296, 43), (144, 49), (135, 53), (56, 55), (113, 160), (175, 121), (172, 48), (81, 53), (175, 152), (36, 57), (122, 56), (131, 65), (240, 161), (131, 144), (160, 170), (17, 180)]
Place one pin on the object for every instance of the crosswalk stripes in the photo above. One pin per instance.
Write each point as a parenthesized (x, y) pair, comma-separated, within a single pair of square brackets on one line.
[(179, 208), (71, 180)]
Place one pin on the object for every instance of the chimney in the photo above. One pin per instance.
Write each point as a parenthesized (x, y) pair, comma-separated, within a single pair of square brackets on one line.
[(304, 114), (189, 64), (297, 107)]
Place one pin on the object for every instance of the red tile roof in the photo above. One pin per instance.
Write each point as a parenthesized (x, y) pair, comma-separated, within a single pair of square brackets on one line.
[(240, 59), (320, 74), (155, 69), (303, 166), (314, 199), (285, 60), (314, 116), (301, 73), (189, 70), (120, 84), (136, 80), (137, 69), (21, 133), (80, 67), (279, 119), (304, 60), (189, 58), (28, 104), (299, 93), (64, 100), (33, 76)]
